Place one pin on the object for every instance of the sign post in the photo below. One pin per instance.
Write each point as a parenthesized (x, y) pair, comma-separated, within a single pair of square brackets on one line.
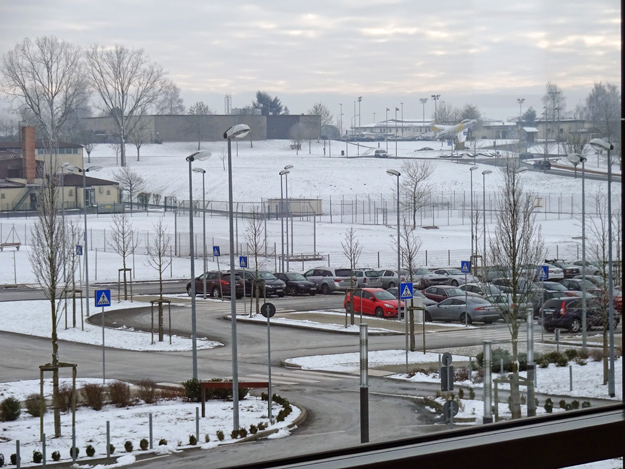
[(268, 310), (103, 298), (543, 274), (405, 293), (465, 268)]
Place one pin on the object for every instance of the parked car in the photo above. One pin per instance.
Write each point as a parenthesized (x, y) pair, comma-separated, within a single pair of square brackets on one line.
[(329, 280), (503, 302), (426, 278), (480, 289), (539, 299), (542, 164), (569, 270), (379, 153), (390, 278), (597, 280), (374, 301), (591, 268), (533, 271), (456, 309), (566, 313), (579, 284), (523, 285), (439, 293), (553, 286), (266, 281), (296, 284), (217, 284), (456, 277), (415, 293), (497, 271), (368, 278)]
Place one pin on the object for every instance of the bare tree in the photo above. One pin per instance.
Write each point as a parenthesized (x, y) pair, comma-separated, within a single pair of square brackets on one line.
[(46, 75), (128, 85), (158, 249), (255, 238), (199, 123), (445, 113), (414, 185), (297, 133), (49, 249), (169, 101), (129, 181), (73, 235), (123, 242), (352, 249), (321, 110), (517, 243), (140, 134)]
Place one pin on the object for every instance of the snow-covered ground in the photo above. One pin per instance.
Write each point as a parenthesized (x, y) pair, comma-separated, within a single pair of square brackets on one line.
[(256, 177)]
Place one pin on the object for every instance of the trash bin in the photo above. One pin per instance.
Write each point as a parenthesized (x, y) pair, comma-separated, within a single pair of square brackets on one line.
[(342, 152)]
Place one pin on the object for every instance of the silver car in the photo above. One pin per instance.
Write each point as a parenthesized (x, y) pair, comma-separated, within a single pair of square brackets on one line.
[(329, 280), (368, 278), (456, 277), (390, 279), (426, 278), (456, 309)]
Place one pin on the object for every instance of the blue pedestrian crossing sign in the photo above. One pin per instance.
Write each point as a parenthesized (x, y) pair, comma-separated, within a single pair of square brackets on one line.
[(405, 291), (216, 251), (543, 272), (465, 267), (103, 298), (243, 262)]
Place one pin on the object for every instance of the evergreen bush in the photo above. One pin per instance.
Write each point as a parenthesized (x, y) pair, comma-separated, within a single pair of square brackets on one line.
[(111, 448), (74, 451), (90, 450), (37, 457), (14, 459), (234, 434), (253, 429), (34, 403), (192, 440), (9, 409), (220, 435), (143, 444), (192, 390), (549, 406), (585, 404), (162, 442), (242, 432), (56, 456), (207, 438), (128, 446)]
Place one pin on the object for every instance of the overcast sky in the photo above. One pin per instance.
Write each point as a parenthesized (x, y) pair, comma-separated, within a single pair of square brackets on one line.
[(483, 52)]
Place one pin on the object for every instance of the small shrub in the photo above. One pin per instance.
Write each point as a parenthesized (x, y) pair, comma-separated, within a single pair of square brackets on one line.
[(90, 450), (37, 456), (242, 432), (14, 459), (94, 395), (147, 391), (262, 426), (1, 459), (192, 440), (549, 406), (234, 434), (461, 374), (162, 442), (471, 394), (111, 448), (143, 444), (571, 353), (171, 394), (543, 363), (596, 355), (583, 354), (119, 394), (575, 405), (192, 390), (74, 452), (253, 429), (220, 435), (580, 361), (460, 393), (9, 409), (562, 361), (207, 438), (128, 446), (568, 407), (585, 404), (562, 404), (264, 396), (34, 403), (65, 397)]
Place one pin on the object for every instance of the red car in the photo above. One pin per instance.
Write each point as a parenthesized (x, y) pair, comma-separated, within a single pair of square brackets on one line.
[(374, 301)]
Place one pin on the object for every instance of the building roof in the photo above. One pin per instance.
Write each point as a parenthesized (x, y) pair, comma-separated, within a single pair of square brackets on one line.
[(77, 180), (530, 130), (17, 146), (4, 184)]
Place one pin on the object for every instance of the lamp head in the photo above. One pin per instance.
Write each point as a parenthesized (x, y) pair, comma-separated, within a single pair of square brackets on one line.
[(488, 171), (601, 144), (473, 168), (237, 131), (199, 155), (284, 171), (69, 167), (199, 170), (576, 158), (288, 166), (393, 172), (92, 168)]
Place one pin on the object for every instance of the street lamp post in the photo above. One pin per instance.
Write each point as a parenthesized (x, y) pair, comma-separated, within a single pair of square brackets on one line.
[(402, 119), (423, 101), (392, 172), (341, 120), (520, 101), (484, 173), (198, 155), (359, 122), (84, 171), (576, 159), (386, 129), (472, 168), (435, 98), (203, 172), (236, 131), (396, 136), (284, 172), (601, 144), (288, 216)]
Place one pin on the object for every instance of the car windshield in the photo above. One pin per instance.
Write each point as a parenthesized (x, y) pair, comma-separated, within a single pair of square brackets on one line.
[(372, 273), (555, 286), (497, 299), (384, 295), (454, 292), (454, 272), (422, 272), (266, 275), (295, 276)]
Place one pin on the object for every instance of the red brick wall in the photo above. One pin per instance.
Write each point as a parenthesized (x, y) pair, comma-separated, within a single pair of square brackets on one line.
[(28, 151)]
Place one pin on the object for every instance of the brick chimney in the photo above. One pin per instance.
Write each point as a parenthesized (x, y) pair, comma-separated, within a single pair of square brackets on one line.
[(28, 154)]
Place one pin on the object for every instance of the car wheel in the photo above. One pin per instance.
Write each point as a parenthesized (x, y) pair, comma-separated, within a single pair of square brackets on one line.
[(379, 312), (575, 326), (216, 293), (313, 293), (464, 318), (325, 289), (428, 317), (391, 284), (291, 290), (454, 283), (488, 321), (189, 290), (281, 295), (549, 329)]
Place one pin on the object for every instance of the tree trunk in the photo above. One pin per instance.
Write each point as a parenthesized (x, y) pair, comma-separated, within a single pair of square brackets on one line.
[(55, 373), (515, 394)]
